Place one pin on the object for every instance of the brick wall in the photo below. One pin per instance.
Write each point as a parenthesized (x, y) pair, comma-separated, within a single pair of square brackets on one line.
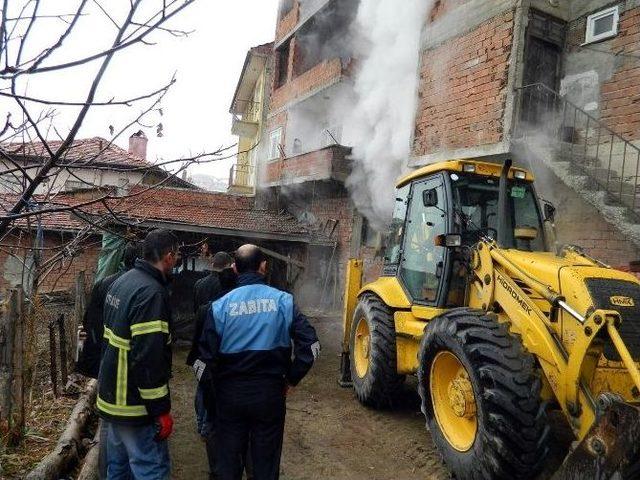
[(323, 74), (462, 91), (442, 7), (329, 207), (620, 96), (288, 22), (64, 273), (323, 164)]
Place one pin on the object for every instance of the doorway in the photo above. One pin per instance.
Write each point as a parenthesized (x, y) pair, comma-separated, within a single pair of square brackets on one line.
[(545, 40)]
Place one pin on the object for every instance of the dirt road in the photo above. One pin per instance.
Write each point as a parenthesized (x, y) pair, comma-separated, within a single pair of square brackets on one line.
[(329, 435)]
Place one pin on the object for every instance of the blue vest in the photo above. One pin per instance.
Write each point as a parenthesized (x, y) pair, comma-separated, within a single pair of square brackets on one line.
[(253, 318)]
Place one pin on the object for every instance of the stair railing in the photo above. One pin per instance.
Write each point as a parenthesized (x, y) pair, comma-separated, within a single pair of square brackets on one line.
[(594, 150)]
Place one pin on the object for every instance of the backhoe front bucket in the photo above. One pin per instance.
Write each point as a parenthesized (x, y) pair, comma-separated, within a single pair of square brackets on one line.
[(611, 449)]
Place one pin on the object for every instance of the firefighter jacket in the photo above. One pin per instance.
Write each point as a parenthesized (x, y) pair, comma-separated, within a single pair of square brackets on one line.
[(89, 360), (133, 383), (250, 334)]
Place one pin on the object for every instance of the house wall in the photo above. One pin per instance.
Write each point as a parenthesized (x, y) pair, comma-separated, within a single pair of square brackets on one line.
[(603, 78), (577, 222), (464, 80), (62, 276), (90, 177)]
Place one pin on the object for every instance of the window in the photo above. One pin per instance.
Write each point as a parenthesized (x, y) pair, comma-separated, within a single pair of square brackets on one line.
[(476, 211), (369, 234), (282, 56), (602, 25), (275, 141), (394, 238), (422, 261)]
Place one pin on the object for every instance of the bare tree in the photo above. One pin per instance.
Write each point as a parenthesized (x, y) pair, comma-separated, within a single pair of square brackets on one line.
[(36, 41)]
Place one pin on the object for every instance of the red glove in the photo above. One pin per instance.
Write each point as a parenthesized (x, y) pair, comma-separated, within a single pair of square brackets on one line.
[(164, 426)]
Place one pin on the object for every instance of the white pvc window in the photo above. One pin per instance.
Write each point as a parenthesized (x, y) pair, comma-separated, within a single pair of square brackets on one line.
[(603, 24), (275, 140)]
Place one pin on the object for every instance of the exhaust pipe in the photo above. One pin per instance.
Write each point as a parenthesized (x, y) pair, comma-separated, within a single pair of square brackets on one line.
[(505, 227)]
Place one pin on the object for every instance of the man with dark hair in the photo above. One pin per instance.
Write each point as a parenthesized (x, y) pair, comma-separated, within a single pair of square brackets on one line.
[(133, 384), (247, 344), (92, 330), (220, 280)]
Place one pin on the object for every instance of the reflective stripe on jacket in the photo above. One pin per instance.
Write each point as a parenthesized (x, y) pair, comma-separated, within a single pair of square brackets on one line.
[(136, 365)]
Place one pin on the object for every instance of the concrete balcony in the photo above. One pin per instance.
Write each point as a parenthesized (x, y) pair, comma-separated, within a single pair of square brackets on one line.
[(246, 123), (322, 76), (329, 163), (242, 176), (244, 128)]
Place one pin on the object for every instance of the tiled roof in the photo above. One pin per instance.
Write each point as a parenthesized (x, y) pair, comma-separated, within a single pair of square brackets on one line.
[(86, 151), (206, 209), (49, 221), (175, 206)]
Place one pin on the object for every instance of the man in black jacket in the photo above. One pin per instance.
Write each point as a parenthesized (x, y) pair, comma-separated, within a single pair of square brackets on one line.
[(92, 322), (247, 344), (133, 384), (220, 281)]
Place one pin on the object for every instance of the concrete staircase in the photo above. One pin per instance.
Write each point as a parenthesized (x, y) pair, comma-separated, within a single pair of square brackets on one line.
[(602, 167)]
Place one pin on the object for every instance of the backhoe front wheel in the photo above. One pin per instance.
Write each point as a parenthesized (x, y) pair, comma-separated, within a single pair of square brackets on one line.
[(481, 398), (373, 353)]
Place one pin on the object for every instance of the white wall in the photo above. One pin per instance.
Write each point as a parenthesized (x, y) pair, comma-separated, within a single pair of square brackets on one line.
[(66, 180)]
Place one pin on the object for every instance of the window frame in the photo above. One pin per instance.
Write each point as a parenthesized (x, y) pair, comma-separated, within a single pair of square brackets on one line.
[(272, 135), (443, 287), (590, 37)]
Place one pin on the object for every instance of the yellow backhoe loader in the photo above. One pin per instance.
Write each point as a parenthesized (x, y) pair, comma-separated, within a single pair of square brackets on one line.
[(498, 329)]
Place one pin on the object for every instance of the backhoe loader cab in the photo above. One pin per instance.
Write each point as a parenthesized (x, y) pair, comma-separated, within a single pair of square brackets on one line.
[(458, 202), (497, 328)]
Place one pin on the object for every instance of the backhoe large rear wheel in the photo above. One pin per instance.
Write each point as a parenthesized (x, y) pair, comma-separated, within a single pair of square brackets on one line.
[(373, 353), (481, 398)]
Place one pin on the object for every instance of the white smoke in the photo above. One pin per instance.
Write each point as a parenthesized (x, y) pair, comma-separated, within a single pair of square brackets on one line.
[(381, 123)]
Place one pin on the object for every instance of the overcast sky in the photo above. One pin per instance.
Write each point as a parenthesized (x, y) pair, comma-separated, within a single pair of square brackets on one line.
[(208, 63)]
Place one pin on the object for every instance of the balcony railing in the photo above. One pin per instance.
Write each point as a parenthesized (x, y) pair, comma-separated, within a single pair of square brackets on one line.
[(249, 110), (611, 163), (242, 176)]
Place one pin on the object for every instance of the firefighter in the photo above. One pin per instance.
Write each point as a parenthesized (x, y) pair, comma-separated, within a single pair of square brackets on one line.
[(133, 390), (246, 347), (91, 334), (92, 330)]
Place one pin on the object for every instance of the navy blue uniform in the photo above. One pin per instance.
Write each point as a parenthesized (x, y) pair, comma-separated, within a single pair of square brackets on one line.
[(247, 343)]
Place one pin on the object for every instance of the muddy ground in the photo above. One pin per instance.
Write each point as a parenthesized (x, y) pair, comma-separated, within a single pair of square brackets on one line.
[(328, 435)]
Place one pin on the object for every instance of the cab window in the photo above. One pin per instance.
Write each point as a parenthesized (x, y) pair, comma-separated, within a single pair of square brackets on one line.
[(396, 230), (422, 261)]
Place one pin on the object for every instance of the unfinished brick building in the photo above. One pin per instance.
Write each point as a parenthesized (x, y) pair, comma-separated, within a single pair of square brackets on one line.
[(553, 84), (303, 165)]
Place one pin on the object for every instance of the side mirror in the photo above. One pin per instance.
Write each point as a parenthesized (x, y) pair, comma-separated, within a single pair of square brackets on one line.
[(449, 240), (430, 198), (549, 212)]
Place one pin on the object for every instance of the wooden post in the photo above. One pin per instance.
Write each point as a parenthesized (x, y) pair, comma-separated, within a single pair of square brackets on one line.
[(52, 357), (18, 366), (6, 366), (62, 338), (12, 369), (78, 313)]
